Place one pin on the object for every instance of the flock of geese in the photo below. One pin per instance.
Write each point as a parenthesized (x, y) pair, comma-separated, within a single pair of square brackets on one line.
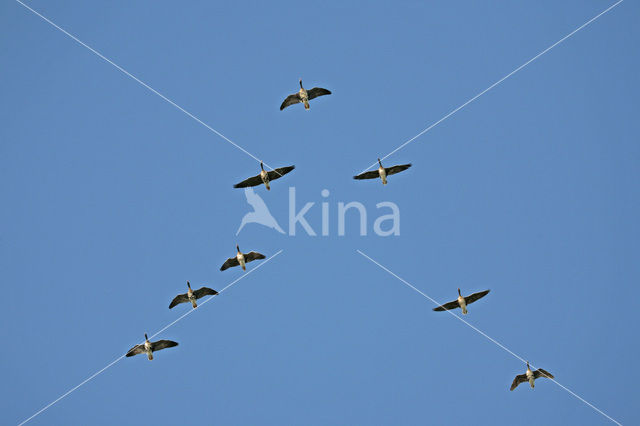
[(303, 96)]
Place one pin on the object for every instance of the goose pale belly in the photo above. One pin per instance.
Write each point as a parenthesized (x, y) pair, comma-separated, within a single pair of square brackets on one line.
[(383, 175)]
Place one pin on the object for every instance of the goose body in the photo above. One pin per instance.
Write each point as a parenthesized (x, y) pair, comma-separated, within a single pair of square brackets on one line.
[(303, 96), (192, 296), (241, 259), (382, 172), (149, 348), (265, 177), (462, 302), (530, 376)]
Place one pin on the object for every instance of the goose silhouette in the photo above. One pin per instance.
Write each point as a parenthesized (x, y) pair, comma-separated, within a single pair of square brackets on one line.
[(260, 213)]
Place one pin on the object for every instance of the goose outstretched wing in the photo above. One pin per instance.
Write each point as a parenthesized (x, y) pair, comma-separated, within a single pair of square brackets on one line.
[(136, 350), (475, 296), (230, 263), (542, 373), (368, 175), (163, 344), (291, 100), (317, 91), (252, 181), (279, 172), (521, 378), (396, 169), (251, 256), (447, 306), (181, 298), (204, 291)]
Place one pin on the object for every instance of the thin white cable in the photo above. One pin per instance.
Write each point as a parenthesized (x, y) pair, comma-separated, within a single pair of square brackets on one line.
[(190, 311), (496, 83), (145, 85), (487, 336)]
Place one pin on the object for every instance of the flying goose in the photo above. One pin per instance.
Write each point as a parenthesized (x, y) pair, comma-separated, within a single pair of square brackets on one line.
[(304, 96), (382, 172), (150, 347), (264, 177), (530, 376), (462, 302), (192, 296), (241, 259)]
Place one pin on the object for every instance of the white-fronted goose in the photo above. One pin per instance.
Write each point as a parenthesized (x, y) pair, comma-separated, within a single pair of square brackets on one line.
[(264, 177), (150, 347), (241, 259), (192, 296), (382, 172), (530, 376), (462, 302), (304, 96)]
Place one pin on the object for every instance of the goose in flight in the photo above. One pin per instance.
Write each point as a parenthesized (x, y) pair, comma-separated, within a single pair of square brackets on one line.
[(241, 259), (462, 302), (530, 376), (264, 177), (192, 296), (382, 172), (150, 347), (304, 96)]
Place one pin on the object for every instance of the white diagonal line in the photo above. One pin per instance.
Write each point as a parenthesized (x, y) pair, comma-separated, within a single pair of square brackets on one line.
[(496, 83), (487, 336), (189, 312), (142, 83)]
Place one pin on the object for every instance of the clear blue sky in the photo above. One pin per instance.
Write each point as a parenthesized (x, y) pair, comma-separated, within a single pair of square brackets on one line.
[(112, 199)]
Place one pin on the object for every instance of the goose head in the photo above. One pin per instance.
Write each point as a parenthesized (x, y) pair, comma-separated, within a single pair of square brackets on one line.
[(528, 368), (238, 248), (188, 284), (380, 162), (459, 294), (261, 166), (145, 337), (301, 84)]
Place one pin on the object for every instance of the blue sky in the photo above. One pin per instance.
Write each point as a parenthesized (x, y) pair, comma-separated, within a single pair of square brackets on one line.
[(113, 199)]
